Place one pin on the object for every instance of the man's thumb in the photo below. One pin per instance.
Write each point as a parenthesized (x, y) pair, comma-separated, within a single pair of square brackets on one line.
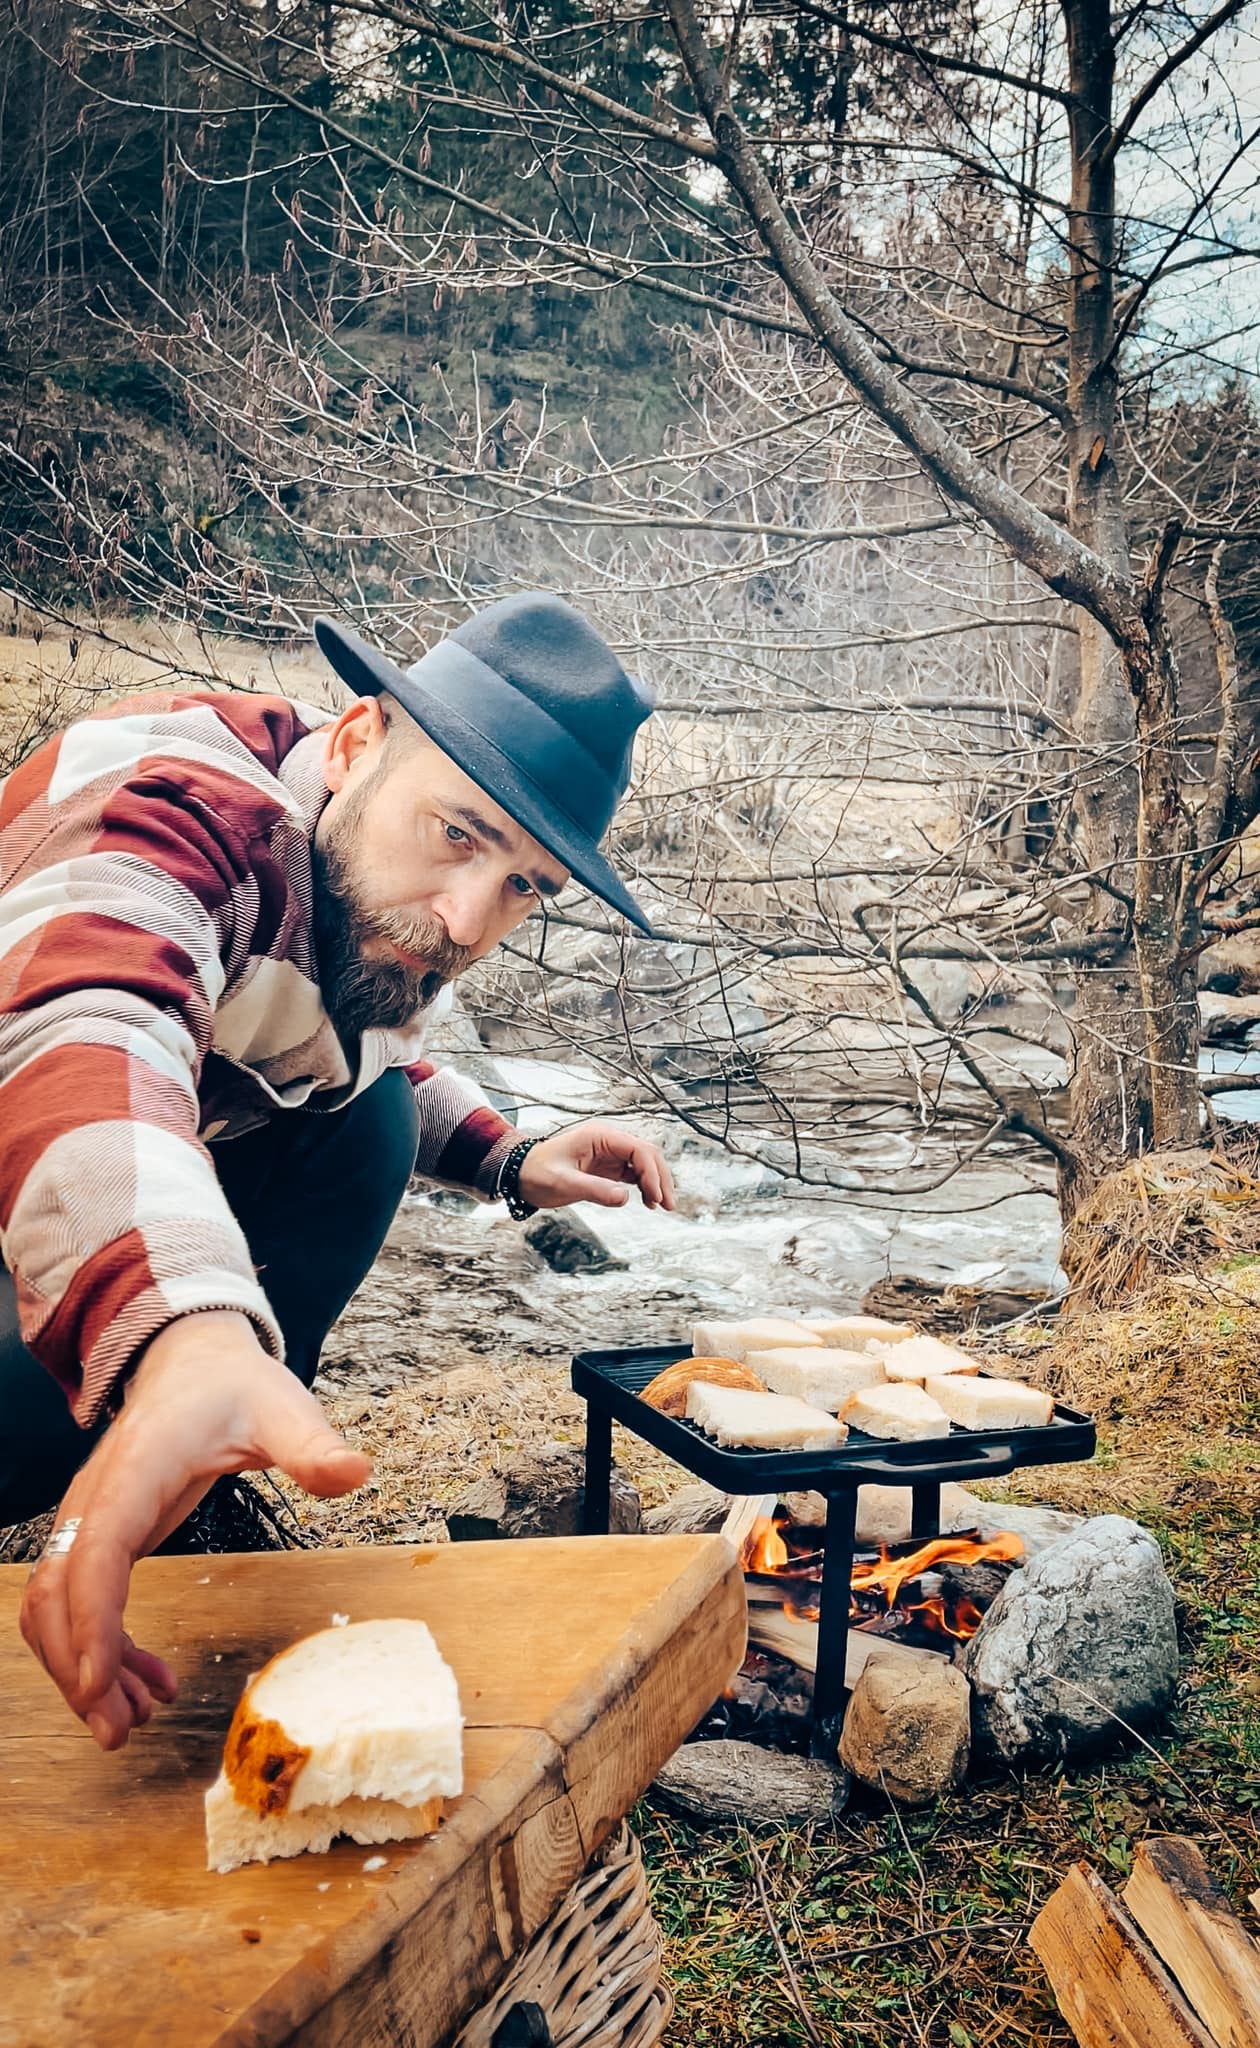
[(298, 1437)]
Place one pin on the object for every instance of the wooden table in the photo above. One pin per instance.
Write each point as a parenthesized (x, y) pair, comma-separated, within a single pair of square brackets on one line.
[(581, 1662)]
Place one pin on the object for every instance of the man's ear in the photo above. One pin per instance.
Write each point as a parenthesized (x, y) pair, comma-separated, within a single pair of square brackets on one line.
[(358, 732)]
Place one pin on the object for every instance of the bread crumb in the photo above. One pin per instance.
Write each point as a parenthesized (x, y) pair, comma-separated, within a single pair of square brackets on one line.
[(251, 1934), (204, 1582), (375, 1863), (340, 1620), (325, 1887)]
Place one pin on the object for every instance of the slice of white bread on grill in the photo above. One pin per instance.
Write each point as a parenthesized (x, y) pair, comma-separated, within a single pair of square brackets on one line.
[(353, 1731), (991, 1404), (759, 1333), (824, 1378), (903, 1412), (858, 1333), (764, 1422), (923, 1358)]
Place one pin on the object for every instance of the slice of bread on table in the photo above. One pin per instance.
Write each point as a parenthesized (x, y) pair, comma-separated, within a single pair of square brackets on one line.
[(353, 1731)]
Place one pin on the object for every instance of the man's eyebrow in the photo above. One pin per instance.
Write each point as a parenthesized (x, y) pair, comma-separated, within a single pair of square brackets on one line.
[(544, 884)]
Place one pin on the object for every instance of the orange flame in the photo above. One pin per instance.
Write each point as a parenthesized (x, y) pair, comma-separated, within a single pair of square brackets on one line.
[(764, 1548), (889, 1574), (767, 1553)]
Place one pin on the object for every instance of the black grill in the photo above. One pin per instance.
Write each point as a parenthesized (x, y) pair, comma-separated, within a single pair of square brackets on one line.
[(611, 1383)]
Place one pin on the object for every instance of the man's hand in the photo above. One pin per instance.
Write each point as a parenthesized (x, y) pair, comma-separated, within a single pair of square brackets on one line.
[(205, 1399), (595, 1162)]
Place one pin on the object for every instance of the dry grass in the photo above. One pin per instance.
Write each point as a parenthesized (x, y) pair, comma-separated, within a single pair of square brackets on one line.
[(1172, 1212)]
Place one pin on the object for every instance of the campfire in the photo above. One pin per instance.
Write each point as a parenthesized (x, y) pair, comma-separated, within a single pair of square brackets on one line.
[(928, 1595)]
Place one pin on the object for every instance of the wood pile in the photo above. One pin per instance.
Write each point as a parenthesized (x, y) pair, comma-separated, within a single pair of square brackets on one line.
[(1167, 1965)]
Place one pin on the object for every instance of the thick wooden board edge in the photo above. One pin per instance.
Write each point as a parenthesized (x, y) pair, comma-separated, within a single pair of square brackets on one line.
[(663, 1688), (1186, 1916), (1112, 1991)]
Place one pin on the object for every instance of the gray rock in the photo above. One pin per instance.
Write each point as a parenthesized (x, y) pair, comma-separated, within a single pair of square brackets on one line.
[(540, 1494), (907, 1730), (739, 1781), (568, 1245), (692, 1511), (1079, 1642)]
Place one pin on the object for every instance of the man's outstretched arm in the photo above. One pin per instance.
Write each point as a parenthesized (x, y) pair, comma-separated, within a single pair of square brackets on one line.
[(204, 1399)]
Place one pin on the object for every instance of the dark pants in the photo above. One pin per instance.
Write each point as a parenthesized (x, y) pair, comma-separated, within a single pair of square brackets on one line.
[(315, 1196)]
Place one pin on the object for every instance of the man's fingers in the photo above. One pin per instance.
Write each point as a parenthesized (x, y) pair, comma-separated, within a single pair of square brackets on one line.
[(111, 1720), (588, 1187), (137, 1694), (153, 1671), (295, 1434), (97, 1572)]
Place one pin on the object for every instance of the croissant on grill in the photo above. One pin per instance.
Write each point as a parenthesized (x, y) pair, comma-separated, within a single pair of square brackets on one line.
[(668, 1391)]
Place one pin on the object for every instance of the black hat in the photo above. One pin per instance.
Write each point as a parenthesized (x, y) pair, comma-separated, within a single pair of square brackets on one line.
[(531, 703)]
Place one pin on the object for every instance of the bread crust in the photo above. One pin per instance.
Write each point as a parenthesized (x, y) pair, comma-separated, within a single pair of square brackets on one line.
[(261, 1761), (668, 1391)]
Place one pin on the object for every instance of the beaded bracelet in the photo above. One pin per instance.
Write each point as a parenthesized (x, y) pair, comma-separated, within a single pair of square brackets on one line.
[(509, 1183)]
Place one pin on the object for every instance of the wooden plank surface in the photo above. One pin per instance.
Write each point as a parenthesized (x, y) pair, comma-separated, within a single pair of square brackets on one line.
[(1183, 1912), (1112, 1991), (581, 1663)]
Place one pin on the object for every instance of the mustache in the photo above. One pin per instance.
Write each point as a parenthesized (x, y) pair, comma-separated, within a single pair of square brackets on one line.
[(427, 941)]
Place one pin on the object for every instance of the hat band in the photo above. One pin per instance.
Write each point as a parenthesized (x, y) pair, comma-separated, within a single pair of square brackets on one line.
[(528, 737)]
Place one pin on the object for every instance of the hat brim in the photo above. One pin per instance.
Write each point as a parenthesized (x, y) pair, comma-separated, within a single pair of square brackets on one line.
[(368, 673)]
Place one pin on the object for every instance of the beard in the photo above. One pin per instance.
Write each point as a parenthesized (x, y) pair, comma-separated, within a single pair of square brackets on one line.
[(363, 994)]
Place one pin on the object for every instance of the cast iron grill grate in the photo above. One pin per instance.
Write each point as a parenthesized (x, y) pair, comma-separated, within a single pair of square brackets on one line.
[(611, 1383)]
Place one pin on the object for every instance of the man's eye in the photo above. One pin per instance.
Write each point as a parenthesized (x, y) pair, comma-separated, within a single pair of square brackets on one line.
[(456, 835), (521, 886)]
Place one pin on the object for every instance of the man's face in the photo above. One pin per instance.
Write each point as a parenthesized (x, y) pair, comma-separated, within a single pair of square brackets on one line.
[(418, 873)]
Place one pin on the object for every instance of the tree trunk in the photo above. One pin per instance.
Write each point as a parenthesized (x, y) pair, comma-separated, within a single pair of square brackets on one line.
[(1134, 1081)]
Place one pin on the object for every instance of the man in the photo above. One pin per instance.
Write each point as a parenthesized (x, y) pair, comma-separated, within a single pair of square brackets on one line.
[(222, 919)]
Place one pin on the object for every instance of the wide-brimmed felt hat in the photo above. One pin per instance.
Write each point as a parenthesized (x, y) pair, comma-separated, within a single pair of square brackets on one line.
[(535, 707)]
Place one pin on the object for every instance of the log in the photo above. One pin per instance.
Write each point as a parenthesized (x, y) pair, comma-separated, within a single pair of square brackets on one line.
[(1112, 1991), (769, 1628), (1182, 1910)]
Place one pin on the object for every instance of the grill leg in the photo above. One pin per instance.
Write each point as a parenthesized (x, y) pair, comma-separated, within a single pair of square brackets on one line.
[(598, 1470), (925, 1510), (833, 1622)]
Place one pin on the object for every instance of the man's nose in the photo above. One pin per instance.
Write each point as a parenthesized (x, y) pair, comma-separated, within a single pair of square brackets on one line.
[(465, 908)]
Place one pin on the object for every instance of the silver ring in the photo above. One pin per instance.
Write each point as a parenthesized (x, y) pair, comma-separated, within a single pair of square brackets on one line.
[(62, 1539)]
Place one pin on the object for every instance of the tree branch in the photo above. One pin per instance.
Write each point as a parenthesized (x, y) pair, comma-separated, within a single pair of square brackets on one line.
[(1071, 569)]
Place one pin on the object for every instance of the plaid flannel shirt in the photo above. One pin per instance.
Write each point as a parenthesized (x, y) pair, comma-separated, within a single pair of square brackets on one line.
[(158, 993)]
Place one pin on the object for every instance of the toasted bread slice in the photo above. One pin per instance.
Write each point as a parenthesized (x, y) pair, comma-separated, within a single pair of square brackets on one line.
[(923, 1358), (825, 1378), (903, 1413), (991, 1404), (858, 1333), (764, 1422), (759, 1333)]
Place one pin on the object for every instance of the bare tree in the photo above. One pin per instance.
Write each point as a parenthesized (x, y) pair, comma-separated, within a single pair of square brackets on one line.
[(926, 501)]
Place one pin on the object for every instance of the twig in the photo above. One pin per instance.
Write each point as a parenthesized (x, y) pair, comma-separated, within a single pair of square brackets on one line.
[(798, 1998)]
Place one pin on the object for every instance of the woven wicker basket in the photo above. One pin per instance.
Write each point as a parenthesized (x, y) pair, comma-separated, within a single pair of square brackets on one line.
[(595, 1968)]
